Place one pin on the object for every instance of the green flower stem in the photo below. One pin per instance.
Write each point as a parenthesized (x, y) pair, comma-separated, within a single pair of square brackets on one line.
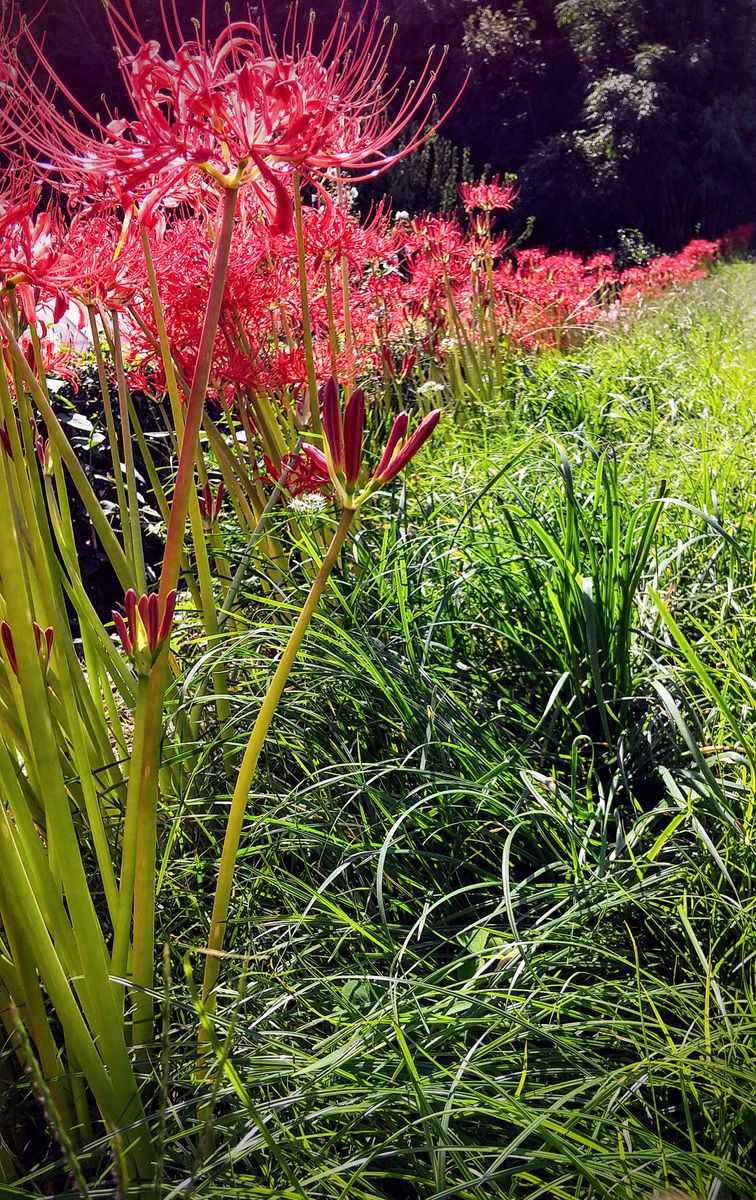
[(145, 846), (145, 805), (162, 346), (346, 296), (135, 527), (99, 520), (249, 763), (184, 485), (312, 416), (107, 408), (333, 336), (122, 927), (348, 332), (207, 605)]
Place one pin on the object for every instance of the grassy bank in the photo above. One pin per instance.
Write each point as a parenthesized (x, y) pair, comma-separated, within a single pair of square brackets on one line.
[(494, 923)]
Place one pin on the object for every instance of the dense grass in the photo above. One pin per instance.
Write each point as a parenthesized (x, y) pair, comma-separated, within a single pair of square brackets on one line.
[(494, 923)]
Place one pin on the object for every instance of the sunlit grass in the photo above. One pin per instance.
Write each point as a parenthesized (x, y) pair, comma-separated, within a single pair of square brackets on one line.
[(493, 926)]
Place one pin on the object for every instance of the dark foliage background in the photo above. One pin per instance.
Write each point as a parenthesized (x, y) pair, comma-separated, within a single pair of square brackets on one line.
[(636, 114)]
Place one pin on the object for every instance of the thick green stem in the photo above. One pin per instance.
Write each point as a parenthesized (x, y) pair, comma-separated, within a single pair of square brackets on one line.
[(184, 486), (137, 552), (122, 933), (146, 838), (312, 416), (251, 757), (107, 408), (143, 956)]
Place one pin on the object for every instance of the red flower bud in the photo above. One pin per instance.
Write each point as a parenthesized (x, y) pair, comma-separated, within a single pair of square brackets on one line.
[(331, 419), (396, 437), (42, 637), (144, 629), (209, 505), (10, 650), (410, 448), (354, 424)]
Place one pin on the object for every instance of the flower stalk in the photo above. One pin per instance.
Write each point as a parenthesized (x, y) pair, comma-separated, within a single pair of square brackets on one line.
[(240, 798)]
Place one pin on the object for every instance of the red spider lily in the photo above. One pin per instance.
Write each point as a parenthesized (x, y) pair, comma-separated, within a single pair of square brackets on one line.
[(99, 261), (343, 441), (145, 629), (29, 243), (210, 505), (57, 360), (415, 283), (301, 473), (487, 196), (237, 109), (43, 638)]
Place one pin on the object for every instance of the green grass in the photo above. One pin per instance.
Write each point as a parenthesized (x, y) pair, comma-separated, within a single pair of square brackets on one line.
[(493, 932)]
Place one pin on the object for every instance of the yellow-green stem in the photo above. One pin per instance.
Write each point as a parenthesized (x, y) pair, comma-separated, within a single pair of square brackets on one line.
[(250, 760), (146, 838), (107, 408), (195, 407), (143, 955), (312, 416), (135, 527)]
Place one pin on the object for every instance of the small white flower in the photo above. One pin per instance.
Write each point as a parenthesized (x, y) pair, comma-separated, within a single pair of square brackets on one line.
[(308, 502), (402, 215), (431, 388), (448, 344)]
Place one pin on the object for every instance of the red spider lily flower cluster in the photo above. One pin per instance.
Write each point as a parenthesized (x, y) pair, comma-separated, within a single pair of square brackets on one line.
[(99, 262), (412, 287), (343, 438), (145, 628), (301, 474), (42, 637), (29, 242), (488, 197), (237, 110), (669, 270)]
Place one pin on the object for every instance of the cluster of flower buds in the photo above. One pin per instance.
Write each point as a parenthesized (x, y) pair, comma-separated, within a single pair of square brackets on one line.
[(145, 628), (43, 638), (409, 358), (210, 506), (343, 444)]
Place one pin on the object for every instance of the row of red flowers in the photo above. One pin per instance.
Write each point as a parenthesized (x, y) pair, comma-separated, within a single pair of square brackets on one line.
[(411, 285)]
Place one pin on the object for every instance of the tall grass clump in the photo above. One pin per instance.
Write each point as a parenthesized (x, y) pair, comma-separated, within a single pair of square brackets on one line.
[(494, 919)]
